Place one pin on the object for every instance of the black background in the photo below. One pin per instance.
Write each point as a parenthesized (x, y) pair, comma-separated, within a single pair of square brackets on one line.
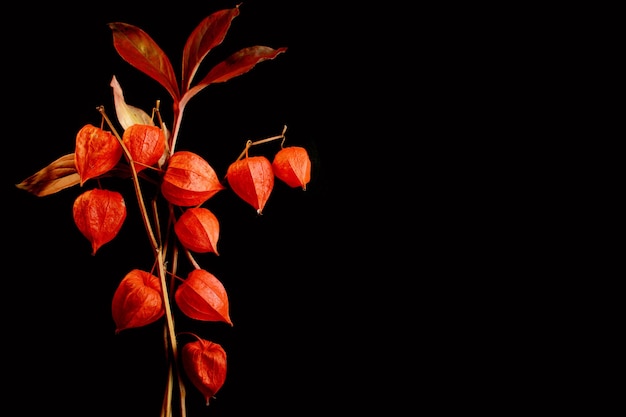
[(373, 290), (308, 308)]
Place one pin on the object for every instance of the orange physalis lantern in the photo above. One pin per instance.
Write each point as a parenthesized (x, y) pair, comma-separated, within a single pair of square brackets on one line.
[(252, 179), (189, 180), (293, 166), (198, 230), (205, 365), (203, 297), (99, 215), (97, 152), (137, 301), (145, 143)]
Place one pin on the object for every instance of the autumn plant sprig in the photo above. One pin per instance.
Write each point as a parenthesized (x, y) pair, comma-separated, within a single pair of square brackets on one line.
[(144, 151)]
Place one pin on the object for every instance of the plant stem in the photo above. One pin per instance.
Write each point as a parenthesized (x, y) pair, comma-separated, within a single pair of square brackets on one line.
[(162, 270), (258, 142)]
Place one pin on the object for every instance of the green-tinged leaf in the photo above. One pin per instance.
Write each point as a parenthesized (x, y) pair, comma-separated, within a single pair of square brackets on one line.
[(206, 36), (237, 64), (139, 50), (128, 115)]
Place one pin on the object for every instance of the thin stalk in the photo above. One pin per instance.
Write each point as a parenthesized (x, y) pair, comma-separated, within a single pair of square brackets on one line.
[(159, 260), (142, 205), (258, 142)]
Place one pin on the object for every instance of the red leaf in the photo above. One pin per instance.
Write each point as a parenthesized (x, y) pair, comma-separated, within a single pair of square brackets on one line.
[(137, 300), (141, 51), (97, 152), (206, 36), (189, 180), (252, 179), (99, 215), (293, 166), (203, 297), (240, 63), (198, 230), (237, 64), (205, 365)]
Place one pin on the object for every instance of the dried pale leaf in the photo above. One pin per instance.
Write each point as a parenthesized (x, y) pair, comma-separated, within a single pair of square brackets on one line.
[(128, 115), (57, 176)]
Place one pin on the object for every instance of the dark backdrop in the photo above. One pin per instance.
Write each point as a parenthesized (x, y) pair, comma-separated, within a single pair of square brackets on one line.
[(292, 285), (400, 279)]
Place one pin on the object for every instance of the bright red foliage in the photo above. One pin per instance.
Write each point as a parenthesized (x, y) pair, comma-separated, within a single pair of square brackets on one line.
[(184, 179)]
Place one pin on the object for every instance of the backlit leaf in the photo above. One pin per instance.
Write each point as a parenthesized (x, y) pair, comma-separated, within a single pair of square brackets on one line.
[(138, 49), (237, 64), (206, 36)]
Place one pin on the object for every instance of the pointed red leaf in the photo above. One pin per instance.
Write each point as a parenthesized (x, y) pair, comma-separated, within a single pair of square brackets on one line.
[(138, 49), (203, 297), (206, 36), (137, 301), (237, 64), (240, 63), (205, 365)]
